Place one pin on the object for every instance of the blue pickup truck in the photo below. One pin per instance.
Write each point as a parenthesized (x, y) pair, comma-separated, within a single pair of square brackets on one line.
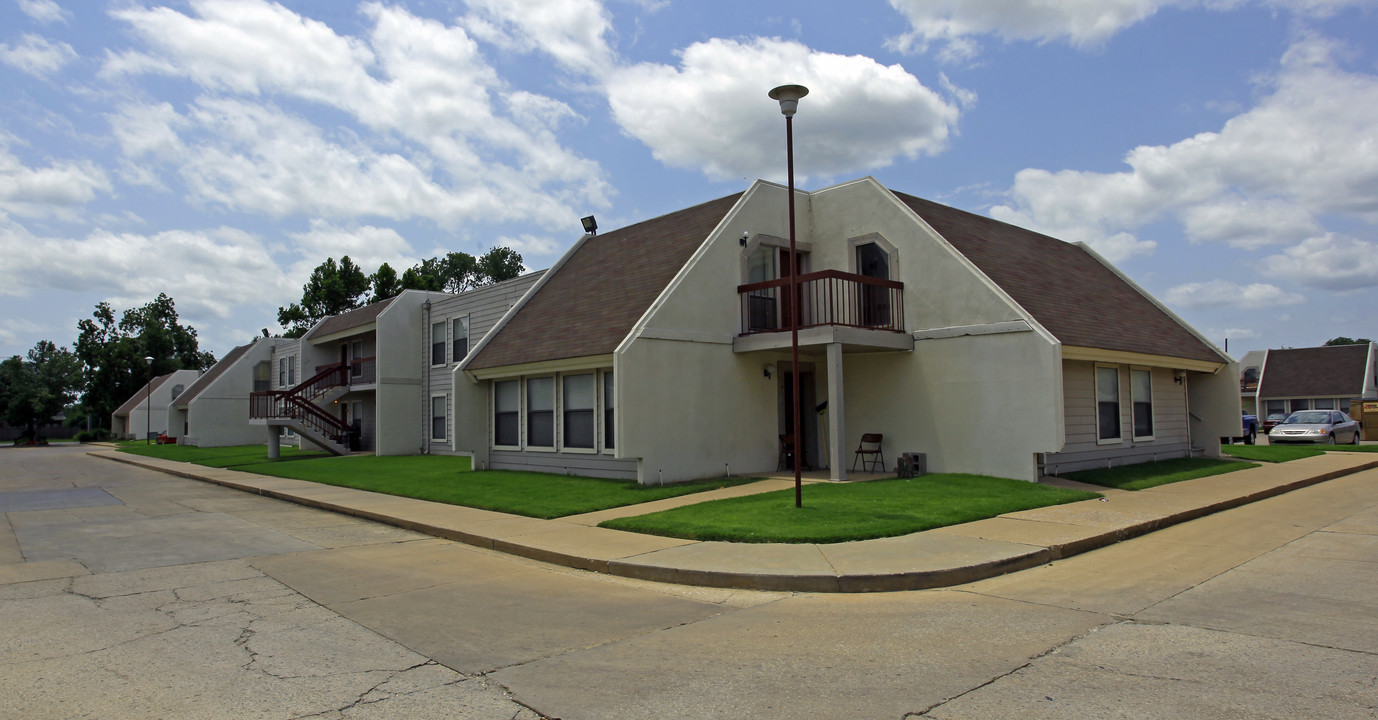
[(1249, 427)]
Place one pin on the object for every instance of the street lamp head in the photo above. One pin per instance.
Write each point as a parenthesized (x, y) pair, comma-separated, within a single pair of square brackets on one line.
[(788, 95), (148, 359)]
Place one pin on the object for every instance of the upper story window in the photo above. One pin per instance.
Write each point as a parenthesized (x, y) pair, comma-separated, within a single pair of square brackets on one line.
[(461, 339), (438, 343)]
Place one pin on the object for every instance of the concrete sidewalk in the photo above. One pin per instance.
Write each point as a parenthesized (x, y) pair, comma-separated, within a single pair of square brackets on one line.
[(936, 558)]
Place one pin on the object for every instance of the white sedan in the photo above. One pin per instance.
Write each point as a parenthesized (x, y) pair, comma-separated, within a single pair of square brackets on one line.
[(1316, 426)]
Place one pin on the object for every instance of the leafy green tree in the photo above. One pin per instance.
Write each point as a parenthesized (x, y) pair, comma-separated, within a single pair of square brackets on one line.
[(112, 353), (35, 389), (500, 263), (1342, 340), (385, 284), (332, 289), (458, 272)]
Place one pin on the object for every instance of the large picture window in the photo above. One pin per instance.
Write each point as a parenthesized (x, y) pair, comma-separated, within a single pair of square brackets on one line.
[(461, 339), (1107, 404), (438, 343), (1141, 391), (507, 410), (439, 417), (540, 412), (609, 408), (578, 411)]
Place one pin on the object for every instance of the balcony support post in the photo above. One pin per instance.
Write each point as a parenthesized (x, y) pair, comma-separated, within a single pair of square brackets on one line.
[(837, 431), (274, 442)]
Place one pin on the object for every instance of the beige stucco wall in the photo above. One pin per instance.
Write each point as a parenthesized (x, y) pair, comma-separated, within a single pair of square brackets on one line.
[(981, 404), (401, 415), (1214, 398)]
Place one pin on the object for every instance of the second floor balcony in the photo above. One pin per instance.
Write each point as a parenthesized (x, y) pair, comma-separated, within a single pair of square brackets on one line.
[(827, 306)]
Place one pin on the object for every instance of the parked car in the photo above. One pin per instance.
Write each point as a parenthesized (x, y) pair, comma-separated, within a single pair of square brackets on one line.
[(1249, 431), (1272, 421), (1316, 426)]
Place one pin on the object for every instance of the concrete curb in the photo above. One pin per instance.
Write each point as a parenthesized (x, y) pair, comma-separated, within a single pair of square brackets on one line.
[(872, 565)]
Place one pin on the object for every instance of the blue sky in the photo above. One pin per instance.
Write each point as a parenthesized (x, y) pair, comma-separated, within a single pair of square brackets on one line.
[(1223, 153)]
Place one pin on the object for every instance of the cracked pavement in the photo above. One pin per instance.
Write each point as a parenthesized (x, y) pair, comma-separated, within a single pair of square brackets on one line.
[(181, 599)]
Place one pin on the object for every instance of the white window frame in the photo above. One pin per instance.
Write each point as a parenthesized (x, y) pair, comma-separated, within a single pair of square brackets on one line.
[(560, 408), (605, 447), (521, 413), (444, 349), (1133, 416), (554, 414), (445, 398), (291, 371), (1119, 403), (892, 253)]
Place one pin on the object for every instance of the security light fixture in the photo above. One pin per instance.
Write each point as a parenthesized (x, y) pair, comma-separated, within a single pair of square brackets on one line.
[(590, 225)]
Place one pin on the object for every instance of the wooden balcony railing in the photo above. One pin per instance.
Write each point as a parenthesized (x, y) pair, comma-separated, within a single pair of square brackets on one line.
[(827, 297)]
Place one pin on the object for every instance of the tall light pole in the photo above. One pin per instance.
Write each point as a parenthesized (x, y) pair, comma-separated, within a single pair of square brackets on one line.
[(148, 402), (788, 96)]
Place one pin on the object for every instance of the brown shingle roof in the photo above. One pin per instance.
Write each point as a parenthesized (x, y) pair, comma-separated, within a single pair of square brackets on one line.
[(352, 319), (590, 304), (209, 376), (1066, 289), (1334, 371)]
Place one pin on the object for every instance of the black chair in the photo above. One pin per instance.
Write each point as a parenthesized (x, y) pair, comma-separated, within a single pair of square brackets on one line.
[(868, 453), (786, 453)]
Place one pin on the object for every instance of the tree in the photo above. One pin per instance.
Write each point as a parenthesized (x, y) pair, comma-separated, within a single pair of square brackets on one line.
[(113, 353), (35, 389), (458, 272), (385, 284), (500, 263), (331, 290), (1342, 340)]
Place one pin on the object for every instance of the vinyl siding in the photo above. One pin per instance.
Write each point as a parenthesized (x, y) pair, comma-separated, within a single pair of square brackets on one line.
[(587, 465), (484, 307), (1082, 452)]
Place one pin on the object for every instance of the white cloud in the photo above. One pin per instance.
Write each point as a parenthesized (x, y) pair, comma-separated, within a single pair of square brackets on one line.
[(712, 113), (573, 32), (464, 144), (208, 272), (37, 55), (368, 246), (1224, 293), (43, 11), (55, 190), (1267, 177), (954, 25), (1329, 261)]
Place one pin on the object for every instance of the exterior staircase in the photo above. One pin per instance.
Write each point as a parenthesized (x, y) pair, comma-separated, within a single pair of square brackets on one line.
[(302, 409)]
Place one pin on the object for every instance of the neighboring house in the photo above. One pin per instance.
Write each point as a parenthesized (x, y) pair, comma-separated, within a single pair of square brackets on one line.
[(365, 380), (455, 324), (1250, 369), (133, 418), (660, 351), (1317, 378), (214, 410)]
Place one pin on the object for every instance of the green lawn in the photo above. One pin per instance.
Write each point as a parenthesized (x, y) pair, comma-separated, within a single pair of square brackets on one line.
[(221, 457), (850, 511), (1284, 453), (1153, 474), (449, 480)]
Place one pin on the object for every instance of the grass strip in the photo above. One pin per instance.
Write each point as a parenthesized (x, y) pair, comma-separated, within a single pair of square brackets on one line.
[(448, 479), (850, 511), (232, 456), (1153, 474), (1286, 453)]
